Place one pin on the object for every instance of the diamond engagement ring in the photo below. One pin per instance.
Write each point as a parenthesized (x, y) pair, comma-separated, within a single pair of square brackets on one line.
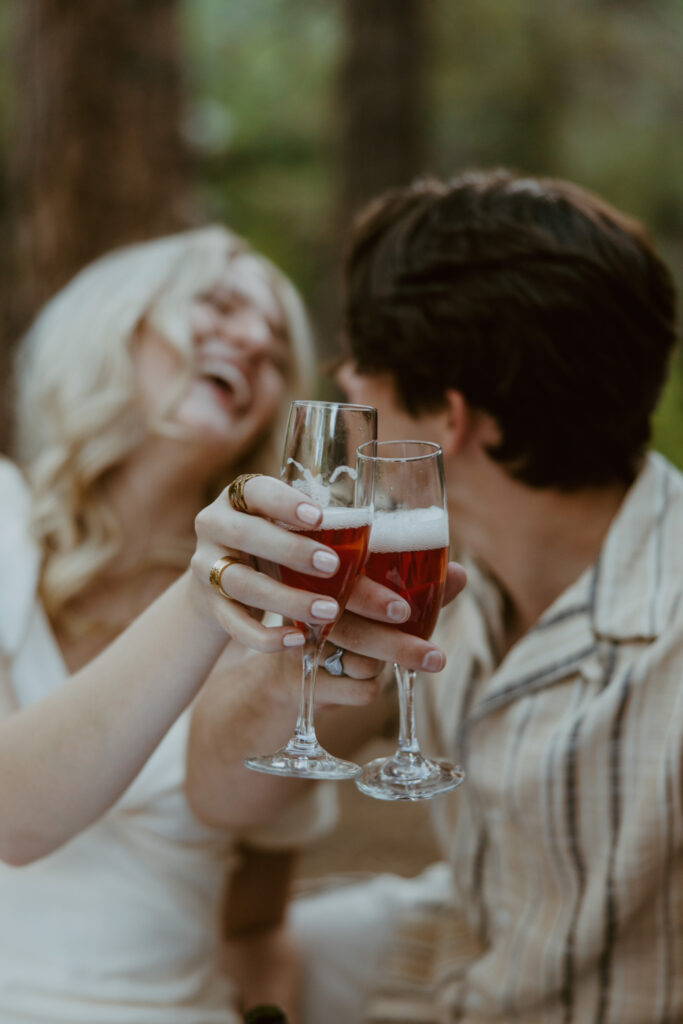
[(333, 664)]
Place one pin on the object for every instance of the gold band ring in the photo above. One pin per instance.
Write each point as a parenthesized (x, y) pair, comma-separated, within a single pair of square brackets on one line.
[(217, 570), (236, 491)]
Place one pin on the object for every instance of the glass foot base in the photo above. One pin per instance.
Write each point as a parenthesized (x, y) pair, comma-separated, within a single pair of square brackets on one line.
[(299, 763), (414, 778)]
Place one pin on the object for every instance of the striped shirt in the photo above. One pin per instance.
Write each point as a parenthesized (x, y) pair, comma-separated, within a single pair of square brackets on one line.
[(566, 839)]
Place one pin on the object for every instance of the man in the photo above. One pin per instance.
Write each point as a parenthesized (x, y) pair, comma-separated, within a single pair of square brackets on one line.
[(527, 326)]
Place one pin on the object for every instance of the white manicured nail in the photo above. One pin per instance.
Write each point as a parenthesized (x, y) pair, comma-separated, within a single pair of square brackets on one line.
[(308, 514), (325, 561), (325, 609), (433, 662), (398, 611), (293, 640)]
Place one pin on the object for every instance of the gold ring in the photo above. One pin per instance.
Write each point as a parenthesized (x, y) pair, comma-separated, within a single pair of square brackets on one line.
[(217, 570), (236, 491)]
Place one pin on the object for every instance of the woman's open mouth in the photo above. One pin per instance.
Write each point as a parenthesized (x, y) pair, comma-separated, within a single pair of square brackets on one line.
[(228, 380)]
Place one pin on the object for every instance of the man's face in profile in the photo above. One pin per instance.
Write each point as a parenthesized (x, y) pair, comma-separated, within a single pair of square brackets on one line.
[(379, 390)]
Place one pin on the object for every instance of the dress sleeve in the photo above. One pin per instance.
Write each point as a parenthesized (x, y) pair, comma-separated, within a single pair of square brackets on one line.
[(19, 559), (308, 818)]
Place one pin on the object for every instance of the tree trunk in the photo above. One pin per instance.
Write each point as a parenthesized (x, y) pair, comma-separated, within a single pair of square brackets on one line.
[(382, 122), (381, 126), (96, 155)]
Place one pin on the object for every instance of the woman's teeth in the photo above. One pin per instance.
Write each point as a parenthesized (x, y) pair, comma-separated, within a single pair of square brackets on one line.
[(230, 380)]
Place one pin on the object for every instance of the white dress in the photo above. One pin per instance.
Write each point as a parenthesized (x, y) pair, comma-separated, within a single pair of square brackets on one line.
[(118, 926)]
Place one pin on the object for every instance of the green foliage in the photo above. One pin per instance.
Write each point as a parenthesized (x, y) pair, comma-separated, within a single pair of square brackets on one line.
[(260, 75), (668, 420)]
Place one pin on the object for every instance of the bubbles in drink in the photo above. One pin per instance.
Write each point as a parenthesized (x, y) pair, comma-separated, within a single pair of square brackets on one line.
[(337, 517)]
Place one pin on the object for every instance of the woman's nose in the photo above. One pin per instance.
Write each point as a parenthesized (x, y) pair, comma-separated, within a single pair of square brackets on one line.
[(249, 329)]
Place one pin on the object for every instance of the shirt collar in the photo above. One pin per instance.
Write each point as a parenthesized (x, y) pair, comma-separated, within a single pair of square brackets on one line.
[(626, 594), (640, 566)]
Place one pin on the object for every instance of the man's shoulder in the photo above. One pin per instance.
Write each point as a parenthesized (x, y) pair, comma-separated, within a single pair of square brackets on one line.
[(668, 470)]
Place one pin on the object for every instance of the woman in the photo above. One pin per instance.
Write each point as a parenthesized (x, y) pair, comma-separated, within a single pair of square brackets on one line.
[(149, 380)]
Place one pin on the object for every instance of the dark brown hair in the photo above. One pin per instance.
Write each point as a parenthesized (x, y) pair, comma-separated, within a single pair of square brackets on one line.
[(543, 305)]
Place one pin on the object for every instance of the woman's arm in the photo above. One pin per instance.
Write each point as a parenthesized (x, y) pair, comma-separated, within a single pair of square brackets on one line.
[(67, 758)]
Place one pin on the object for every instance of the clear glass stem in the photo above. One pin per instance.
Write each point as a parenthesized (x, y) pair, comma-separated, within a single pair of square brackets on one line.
[(304, 741), (408, 749)]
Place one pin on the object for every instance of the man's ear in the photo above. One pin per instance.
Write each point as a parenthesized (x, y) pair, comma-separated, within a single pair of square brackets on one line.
[(457, 422), (466, 425)]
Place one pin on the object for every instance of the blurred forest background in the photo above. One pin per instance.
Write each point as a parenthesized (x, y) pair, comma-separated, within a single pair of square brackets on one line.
[(126, 119)]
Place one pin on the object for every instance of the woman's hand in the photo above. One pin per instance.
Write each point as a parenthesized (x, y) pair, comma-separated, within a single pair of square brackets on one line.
[(262, 533), (243, 537), (250, 704)]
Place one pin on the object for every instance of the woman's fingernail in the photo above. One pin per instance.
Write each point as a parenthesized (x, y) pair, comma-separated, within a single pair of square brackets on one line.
[(398, 611), (325, 609), (308, 513), (325, 561), (433, 662), (293, 640)]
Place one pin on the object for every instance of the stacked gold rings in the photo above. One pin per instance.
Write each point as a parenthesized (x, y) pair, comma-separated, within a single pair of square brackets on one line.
[(236, 499), (236, 491)]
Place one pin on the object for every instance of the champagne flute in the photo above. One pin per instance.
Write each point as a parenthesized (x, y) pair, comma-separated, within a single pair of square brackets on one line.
[(409, 554), (319, 459)]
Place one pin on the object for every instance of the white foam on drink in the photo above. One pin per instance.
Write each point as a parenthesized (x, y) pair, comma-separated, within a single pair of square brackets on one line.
[(339, 517), (410, 529)]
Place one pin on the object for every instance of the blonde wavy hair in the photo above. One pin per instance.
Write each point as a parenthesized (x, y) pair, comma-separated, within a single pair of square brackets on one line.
[(78, 410)]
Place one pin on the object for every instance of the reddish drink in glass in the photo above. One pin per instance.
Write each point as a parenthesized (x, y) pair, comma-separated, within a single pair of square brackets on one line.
[(346, 531), (409, 554)]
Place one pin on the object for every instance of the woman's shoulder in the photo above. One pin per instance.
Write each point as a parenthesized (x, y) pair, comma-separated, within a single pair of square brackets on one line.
[(15, 511), (19, 554), (14, 490)]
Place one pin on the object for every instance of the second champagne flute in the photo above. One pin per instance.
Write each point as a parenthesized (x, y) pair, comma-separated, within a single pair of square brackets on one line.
[(320, 460), (409, 554)]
